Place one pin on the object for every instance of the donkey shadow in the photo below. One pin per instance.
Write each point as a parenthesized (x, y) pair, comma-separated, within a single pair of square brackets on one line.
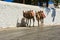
[(53, 15)]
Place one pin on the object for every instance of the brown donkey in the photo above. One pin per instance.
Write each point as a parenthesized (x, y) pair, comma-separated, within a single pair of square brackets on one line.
[(29, 15), (40, 17)]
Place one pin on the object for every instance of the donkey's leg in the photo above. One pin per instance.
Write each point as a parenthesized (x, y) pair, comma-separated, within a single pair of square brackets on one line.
[(27, 21), (38, 23), (41, 28), (33, 21), (42, 21), (30, 22)]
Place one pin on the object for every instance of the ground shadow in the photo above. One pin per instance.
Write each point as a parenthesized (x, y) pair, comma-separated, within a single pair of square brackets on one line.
[(18, 24)]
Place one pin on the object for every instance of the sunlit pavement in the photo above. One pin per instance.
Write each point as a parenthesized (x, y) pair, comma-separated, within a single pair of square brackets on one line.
[(32, 33)]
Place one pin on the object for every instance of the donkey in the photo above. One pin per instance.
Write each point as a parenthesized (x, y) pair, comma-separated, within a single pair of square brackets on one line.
[(40, 17), (29, 15)]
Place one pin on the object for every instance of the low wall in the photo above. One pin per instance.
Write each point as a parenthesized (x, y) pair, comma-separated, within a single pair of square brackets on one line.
[(10, 12)]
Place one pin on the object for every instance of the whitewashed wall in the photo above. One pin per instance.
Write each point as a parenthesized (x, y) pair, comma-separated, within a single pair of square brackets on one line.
[(10, 12)]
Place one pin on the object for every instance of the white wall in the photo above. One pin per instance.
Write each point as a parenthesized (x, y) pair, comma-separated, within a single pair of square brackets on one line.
[(10, 12)]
